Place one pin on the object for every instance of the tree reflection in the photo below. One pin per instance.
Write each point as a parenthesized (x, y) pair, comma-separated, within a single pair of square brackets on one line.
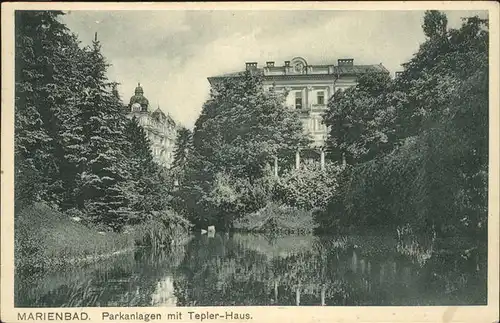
[(269, 270), (255, 270)]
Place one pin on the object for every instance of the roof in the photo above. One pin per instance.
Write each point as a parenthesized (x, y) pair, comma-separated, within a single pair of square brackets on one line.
[(360, 69), (160, 116), (258, 71), (139, 99), (158, 113), (337, 71)]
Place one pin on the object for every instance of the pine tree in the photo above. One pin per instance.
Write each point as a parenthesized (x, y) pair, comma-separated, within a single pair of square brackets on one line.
[(45, 50), (149, 190), (103, 184), (183, 147), (139, 144)]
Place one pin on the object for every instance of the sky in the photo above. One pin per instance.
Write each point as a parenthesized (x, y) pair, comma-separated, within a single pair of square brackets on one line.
[(171, 53)]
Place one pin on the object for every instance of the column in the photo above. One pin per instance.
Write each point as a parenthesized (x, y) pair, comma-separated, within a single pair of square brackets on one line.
[(297, 159), (322, 158), (308, 97), (276, 292), (297, 295), (305, 103), (323, 291), (275, 166)]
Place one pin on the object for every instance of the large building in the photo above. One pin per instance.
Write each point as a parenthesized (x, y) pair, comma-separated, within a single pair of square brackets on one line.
[(160, 127), (309, 87)]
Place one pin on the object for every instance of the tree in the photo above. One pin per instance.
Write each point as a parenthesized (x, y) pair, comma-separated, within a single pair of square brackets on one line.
[(47, 58), (183, 146), (240, 130), (362, 119), (242, 126), (435, 24), (149, 189), (435, 176), (103, 176)]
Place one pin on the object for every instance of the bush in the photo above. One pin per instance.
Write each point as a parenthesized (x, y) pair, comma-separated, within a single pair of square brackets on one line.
[(308, 187), (225, 199), (164, 229), (277, 218)]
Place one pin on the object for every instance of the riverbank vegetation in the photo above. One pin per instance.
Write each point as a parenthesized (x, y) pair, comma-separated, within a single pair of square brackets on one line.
[(47, 238)]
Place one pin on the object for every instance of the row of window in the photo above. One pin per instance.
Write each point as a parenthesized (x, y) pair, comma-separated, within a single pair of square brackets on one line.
[(320, 99)]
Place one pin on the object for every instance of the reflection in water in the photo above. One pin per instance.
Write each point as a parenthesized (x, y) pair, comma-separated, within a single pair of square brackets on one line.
[(164, 293), (246, 269)]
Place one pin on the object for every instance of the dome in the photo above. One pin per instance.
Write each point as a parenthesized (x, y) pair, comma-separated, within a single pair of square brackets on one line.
[(139, 98)]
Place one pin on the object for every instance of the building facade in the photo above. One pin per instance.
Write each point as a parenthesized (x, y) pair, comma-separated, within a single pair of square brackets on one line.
[(160, 127), (309, 87)]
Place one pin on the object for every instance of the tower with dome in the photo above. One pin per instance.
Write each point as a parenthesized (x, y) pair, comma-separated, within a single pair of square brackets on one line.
[(160, 127)]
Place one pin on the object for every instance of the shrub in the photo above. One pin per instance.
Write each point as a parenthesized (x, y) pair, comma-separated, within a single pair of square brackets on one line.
[(228, 198), (278, 219), (308, 187), (164, 229)]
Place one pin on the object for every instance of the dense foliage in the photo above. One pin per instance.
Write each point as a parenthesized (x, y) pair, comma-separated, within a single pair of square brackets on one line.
[(417, 146), (74, 147), (242, 127), (240, 130), (308, 187)]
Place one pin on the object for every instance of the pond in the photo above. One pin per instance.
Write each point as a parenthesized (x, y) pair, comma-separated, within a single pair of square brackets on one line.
[(257, 269)]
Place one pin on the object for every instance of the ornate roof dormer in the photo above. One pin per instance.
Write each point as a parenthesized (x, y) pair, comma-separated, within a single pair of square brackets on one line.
[(299, 65), (159, 115)]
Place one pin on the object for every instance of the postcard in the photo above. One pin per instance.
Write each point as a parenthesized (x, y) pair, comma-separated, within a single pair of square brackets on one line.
[(250, 162)]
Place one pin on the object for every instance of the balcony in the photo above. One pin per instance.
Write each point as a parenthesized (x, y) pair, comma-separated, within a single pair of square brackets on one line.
[(303, 111)]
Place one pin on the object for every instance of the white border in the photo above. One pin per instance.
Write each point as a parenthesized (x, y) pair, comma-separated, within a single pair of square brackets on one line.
[(487, 313)]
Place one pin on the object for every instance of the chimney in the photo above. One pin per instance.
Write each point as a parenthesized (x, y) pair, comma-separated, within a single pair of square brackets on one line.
[(251, 66), (270, 64), (346, 62), (287, 63)]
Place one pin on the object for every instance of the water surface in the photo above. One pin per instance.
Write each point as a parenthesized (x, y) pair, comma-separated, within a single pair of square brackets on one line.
[(256, 269)]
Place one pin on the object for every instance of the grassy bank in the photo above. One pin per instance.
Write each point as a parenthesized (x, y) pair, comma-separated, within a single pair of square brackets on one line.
[(276, 218), (47, 238)]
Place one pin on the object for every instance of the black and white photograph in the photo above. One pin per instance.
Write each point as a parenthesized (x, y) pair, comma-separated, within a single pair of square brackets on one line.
[(194, 157)]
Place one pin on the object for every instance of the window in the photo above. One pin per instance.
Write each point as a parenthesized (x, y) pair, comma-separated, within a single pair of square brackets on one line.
[(321, 97), (298, 100)]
